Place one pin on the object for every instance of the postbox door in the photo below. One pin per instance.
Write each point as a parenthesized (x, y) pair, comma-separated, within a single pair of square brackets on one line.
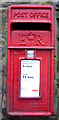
[(34, 103)]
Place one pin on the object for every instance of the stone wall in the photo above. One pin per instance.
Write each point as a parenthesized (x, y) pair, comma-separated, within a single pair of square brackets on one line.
[(3, 58), (0, 63)]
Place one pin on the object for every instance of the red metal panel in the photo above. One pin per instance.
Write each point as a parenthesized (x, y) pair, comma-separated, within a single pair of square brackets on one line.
[(30, 14), (30, 38), (30, 27), (32, 104)]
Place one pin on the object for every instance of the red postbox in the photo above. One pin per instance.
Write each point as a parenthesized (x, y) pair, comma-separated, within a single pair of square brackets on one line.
[(30, 63)]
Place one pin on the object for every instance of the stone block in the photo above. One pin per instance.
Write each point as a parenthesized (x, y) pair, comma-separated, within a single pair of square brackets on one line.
[(2, 41), (4, 50), (58, 92), (57, 13), (3, 85), (0, 80)]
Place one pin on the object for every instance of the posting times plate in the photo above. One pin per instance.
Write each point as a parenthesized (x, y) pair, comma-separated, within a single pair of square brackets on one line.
[(30, 78)]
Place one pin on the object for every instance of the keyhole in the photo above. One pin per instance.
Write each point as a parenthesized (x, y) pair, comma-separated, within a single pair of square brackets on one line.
[(17, 79)]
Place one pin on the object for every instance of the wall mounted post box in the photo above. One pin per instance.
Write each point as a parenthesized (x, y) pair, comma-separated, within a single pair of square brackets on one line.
[(30, 62)]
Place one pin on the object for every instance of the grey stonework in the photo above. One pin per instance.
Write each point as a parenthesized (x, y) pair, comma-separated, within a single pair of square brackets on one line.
[(0, 63), (3, 42)]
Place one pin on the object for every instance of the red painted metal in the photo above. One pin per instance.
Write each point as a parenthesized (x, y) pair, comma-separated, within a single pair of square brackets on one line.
[(30, 27)]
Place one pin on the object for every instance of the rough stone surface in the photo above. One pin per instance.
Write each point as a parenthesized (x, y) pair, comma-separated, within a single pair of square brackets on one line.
[(0, 64), (3, 1)]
